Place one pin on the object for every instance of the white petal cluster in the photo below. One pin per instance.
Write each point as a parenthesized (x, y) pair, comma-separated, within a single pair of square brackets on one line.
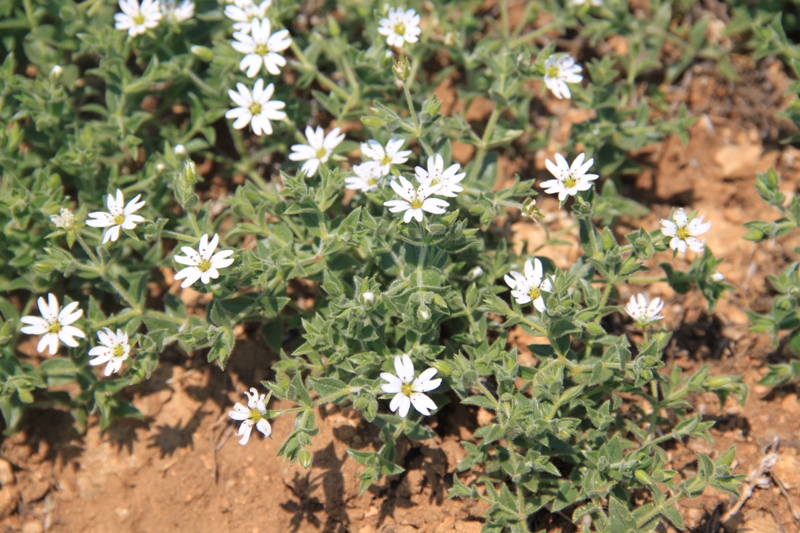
[(251, 415), (400, 26), (261, 47), (65, 219), (685, 233), (54, 325), (119, 216), (559, 70), (415, 200), (642, 312), (436, 174), (114, 350), (569, 180), (368, 176), (244, 13), (202, 264), (407, 390), (177, 13), (595, 3), (255, 108), (318, 150), (529, 287), (137, 18), (385, 157)]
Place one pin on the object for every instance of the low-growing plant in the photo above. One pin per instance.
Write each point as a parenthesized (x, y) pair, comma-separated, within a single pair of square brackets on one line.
[(105, 130)]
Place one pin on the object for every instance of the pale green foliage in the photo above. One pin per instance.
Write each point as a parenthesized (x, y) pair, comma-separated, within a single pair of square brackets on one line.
[(562, 437)]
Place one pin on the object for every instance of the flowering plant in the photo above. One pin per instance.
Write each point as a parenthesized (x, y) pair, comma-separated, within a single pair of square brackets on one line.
[(324, 134)]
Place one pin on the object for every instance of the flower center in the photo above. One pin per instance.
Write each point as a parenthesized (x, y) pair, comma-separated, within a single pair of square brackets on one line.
[(55, 327), (534, 293), (321, 153), (683, 233), (416, 203), (119, 219), (255, 415), (255, 108), (570, 182), (204, 265), (118, 350), (553, 71), (138, 19), (261, 49), (372, 180), (435, 181), (407, 389), (400, 28), (386, 160)]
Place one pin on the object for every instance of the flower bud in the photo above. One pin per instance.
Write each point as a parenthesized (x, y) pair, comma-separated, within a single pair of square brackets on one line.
[(367, 299), (475, 273), (180, 150), (206, 54), (190, 171), (717, 277), (160, 167), (56, 72), (449, 38), (401, 69), (305, 457), (424, 313)]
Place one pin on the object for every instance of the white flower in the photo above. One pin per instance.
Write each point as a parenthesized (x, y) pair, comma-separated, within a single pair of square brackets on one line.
[(683, 233), (560, 69), (252, 415), (401, 26), (202, 264), (244, 13), (177, 14), (119, 216), (54, 325), (415, 201), (528, 288), (114, 350), (136, 18), (260, 48), (435, 175), (65, 219), (385, 158), (255, 108), (407, 392), (595, 3), (569, 180), (367, 299), (368, 176), (641, 312), (56, 72), (717, 277), (318, 150)]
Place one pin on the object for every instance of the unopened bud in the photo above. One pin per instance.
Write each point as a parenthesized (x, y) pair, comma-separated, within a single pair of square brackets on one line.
[(531, 210), (160, 167), (450, 38), (305, 457), (717, 277), (56, 72), (367, 299), (475, 273), (190, 171), (206, 54), (424, 313), (401, 69), (180, 150)]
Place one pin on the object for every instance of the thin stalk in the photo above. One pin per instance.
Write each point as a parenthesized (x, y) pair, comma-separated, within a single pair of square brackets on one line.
[(504, 19), (411, 109), (323, 79), (88, 250), (484, 144), (193, 222), (519, 41)]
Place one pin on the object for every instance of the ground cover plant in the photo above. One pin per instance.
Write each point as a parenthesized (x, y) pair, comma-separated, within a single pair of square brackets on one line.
[(117, 119)]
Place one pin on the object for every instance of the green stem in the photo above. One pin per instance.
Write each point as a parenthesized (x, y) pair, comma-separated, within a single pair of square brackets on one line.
[(88, 250), (519, 41), (488, 394), (484, 144), (411, 110), (118, 318), (178, 236), (323, 79), (504, 18), (193, 222)]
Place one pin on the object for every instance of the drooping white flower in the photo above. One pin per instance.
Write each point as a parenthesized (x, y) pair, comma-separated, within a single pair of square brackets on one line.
[(685, 233), (318, 150), (244, 13), (54, 325), (415, 200), (255, 108), (252, 415), (528, 288), (391, 155), (114, 350), (65, 219), (407, 390), (202, 264), (119, 216), (435, 174), (569, 180), (137, 18), (177, 13), (560, 69), (261, 48), (400, 26), (368, 177), (642, 312)]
